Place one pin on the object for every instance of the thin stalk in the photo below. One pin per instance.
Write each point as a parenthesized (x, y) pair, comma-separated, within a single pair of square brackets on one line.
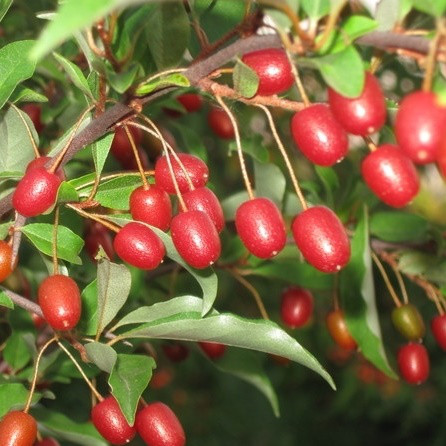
[(432, 56), (94, 217), (54, 247), (298, 81), (370, 144), (402, 285), (386, 279), (138, 159)]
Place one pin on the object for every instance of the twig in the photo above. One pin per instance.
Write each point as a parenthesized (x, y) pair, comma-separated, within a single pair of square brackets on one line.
[(23, 302)]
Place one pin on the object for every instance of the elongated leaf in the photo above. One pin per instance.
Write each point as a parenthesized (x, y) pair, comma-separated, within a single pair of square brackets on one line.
[(174, 79), (246, 81), (24, 94), (399, 227), (261, 335), (16, 352), (316, 9), (75, 74), (358, 299), (4, 6), (102, 355), (13, 396), (254, 147), (121, 82), (436, 8), (270, 182), (5, 301), (89, 318), (128, 380), (100, 150), (114, 282), (69, 244)]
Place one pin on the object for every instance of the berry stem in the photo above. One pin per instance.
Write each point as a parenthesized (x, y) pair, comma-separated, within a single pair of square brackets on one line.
[(285, 157), (138, 159), (36, 369), (401, 283), (370, 144), (239, 147), (298, 80), (54, 248), (22, 302), (335, 292), (94, 217), (386, 279), (331, 23), (28, 130), (432, 55), (93, 389)]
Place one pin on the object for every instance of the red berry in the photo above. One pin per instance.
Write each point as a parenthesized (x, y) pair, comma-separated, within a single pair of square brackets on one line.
[(131, 164), (213, 350), (318, 135), (34, 112), (138, 245), (260, 226), (192, 102), (420, 126), (441, 159), (338, 330), (413, 363), (38, 321), (364, 114), (121, 147), (5, 260), (175, 351), (390, 175), (152, 206), (36, 192), (110, 422), (273, 70), (204, 200), (322, 239), (18, 429), (196, 169), (48, 442), (60, 300), (220, 123), (296, 307), (195, 238), (40, 162), (159, 426), (95, 236), (438, 326)]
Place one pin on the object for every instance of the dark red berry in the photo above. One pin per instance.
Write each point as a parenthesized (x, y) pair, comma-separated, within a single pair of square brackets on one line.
[(131, 164), (40, 162), (175, 351), (38, 321), (18, 429), (36, 192), (296, 307), (337, 327), (138, 245), (273, 70), (213, 350), (121, 147), (60, 300), (441, 158), (195, 238), (192, 102), (34, 112), (318, 135), (196, 170), (220, 123), (322, 239), (204, 200), (48, 442), (408, 321), (413, 363), (95, 236), (159, 426), (438, 327), (364, 114), (391, 175), (420, 126), (260, 226), (110, 422), (5, 260)]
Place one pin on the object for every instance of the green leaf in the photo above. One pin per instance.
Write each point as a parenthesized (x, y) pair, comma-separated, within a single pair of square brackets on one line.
[(315, 9), (121, 82), (230, 204), (252, 146), (192, 140), (435, 8), (358, 299), (114, 282), (16, 352), (261, 335), (168, 33), (342, 71), (416, 263), (399, 227), (330, 181), (100, 150), (66, 193), (4, 229), (88, 323), (75, 74), (102, 355), (4, 6), (128, 380), (13, 396), (69, 244), (270, 182), (387, 14), (5, 301), (246, 81), (25, 94), (15, 67), (171, 80), (16, 150)]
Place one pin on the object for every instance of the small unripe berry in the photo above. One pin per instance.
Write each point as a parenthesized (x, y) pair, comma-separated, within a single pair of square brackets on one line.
[(5, 260), (338, 330)]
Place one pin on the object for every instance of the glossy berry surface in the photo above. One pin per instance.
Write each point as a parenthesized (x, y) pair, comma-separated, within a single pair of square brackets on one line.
[(60, 300), (34, 112), (36, 192), (220, 123), (97, 236), (273, 70), (296, 307), (260, 227), (391, 175), (413, 363), (158, 425), (408, 321), (121, 147), (192, 102), (175, 351), (152, 206), (196, 169), (213, 350), (363, 115), (40, 162), (110, 422), (18, 429), (438, 327), (204, 200), (138, 245), (337, 327), (5, 260), (420, 126), (48, 442), (318, 135), (321, 238), (195, 238)]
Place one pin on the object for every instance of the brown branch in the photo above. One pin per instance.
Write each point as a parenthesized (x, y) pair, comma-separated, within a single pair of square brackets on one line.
[(23, 302)]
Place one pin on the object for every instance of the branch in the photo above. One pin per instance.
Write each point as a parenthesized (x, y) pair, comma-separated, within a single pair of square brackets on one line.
[(23, 302)]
